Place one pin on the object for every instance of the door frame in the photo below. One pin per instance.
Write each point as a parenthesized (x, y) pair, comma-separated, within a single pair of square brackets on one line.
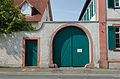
[(90, 65), (38, 50)]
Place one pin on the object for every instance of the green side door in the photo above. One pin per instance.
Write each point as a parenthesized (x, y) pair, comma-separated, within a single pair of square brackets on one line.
[(31, 53), (66, 44)]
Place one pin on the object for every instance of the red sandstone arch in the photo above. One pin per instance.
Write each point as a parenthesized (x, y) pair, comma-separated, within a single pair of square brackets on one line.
[(90, 65)]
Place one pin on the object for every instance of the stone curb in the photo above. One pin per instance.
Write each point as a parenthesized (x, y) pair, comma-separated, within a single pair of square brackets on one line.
[(60, 71)]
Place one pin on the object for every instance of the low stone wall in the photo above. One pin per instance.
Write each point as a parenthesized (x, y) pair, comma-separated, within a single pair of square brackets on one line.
[(11, 46)]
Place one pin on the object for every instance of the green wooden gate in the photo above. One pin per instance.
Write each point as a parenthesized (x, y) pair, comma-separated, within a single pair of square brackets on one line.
[(31, 53), (71, 48)]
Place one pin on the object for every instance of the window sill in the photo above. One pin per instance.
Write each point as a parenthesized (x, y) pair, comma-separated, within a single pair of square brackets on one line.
[(116, 50), (116, 7)]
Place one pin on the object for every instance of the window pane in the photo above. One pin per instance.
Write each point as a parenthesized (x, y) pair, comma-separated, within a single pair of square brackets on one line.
[(117, 46), (117, 41), (117, 29), (117, 35), (87, 14), (85, 17), (117, 2)]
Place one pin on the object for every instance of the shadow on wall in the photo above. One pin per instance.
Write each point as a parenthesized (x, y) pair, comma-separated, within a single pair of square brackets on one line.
[(11, 46)]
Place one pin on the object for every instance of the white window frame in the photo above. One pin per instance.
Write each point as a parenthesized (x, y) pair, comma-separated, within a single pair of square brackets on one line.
[(94, 7), (89, 13), (115, 3), (117, 38)]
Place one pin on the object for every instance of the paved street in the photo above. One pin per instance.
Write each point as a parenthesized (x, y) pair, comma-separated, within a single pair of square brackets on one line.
[(18, 76)]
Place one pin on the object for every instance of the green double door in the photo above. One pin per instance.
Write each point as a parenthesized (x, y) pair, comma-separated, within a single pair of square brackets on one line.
[(71, 48), (31, 53)]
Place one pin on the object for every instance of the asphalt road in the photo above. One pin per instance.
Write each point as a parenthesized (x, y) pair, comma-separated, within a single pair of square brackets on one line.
[(57, 77)]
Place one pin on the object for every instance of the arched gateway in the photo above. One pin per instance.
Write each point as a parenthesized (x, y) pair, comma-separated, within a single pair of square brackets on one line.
[(71, 46)]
